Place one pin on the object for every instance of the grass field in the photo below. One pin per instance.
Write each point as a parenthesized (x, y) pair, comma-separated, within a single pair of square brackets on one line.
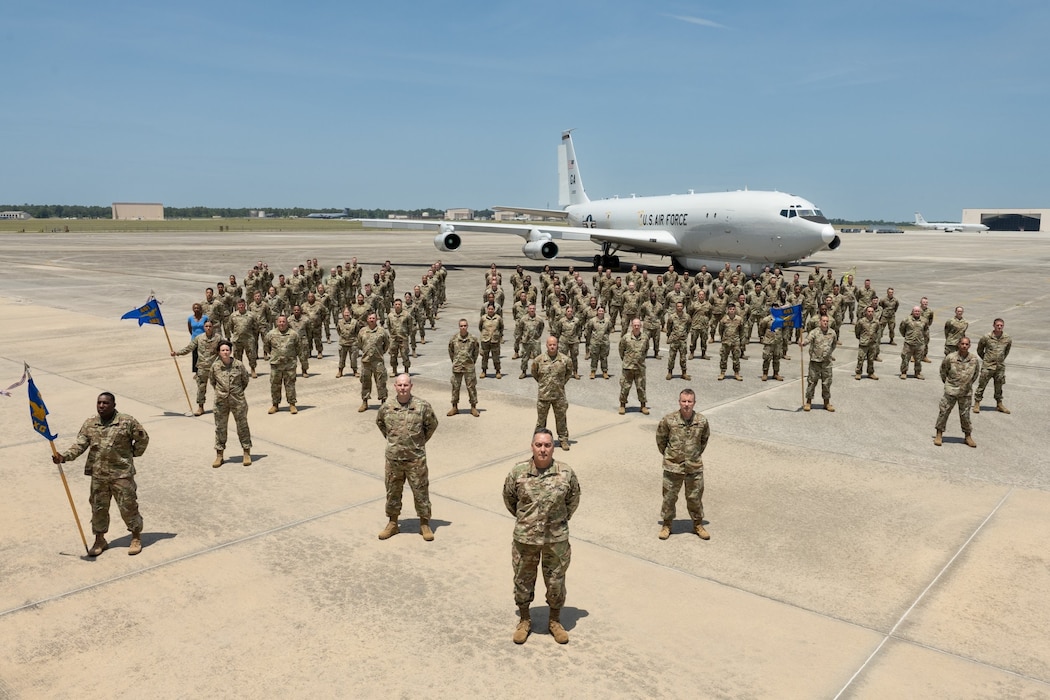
[(104, 225)]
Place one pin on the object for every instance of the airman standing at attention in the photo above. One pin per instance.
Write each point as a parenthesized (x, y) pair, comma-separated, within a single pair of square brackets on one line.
[(316, 314), (230, 379), (552, 370), (531, 328), (993, 349), (490, 328), (112, 440), (821, 342), (731, 330), (653, 320), (347, 329), (206, 346), (954, 330), (569, 330), (889, 305), (299, 323), (596, 335), (243, 331), (463, 350), (374, 341), (772, 345), (682, 438), (633, 348), (542, 494), (700, 323), (399, 324), (867, 332), (285, 346), (912, 329), (677, 330), (959, 370), (927, 317)]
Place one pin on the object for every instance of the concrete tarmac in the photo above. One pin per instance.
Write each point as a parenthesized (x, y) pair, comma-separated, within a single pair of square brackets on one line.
[(850, 557)]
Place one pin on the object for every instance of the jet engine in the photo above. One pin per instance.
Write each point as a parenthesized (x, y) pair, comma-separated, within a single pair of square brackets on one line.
[(448, 240), (540, 250)]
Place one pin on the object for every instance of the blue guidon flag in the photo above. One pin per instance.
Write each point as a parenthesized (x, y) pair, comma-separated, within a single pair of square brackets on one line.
[(790, 316), (147, 313), (38, 411)]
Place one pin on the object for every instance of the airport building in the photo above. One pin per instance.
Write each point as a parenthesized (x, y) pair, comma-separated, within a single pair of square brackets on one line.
[(1009, 219), (138, 211), (459, 214), (14, 215)]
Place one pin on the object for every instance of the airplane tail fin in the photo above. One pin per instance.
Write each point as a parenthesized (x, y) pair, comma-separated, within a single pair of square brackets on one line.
[(570, 184), (919, 220)]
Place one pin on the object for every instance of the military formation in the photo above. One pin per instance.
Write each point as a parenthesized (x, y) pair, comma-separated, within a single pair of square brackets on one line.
[(552, 321)]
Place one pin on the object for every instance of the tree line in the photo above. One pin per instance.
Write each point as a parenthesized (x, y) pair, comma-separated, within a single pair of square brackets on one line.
[(79, 211)]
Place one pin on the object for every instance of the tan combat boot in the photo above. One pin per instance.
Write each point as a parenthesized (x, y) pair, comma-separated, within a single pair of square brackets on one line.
[(873, 376), (453, 411), (136, 543), (605, 375), (474, 411), (390, 530), (424, 529), (778, 377), (99, 546), (273, 409), (721, 376), (592, 374), (247, 461), (687, 378), (556, 630), (698, 528), (969, 440), (338, 373), (499, 375), (200, 410), (765, 377), (807, 406), (218, 460), (829, 407), (521, 632), (668, 376), (363, 407), (481, 374), (1001, 408), (665, 531), (292, 409), (737, 377), (937, 438), (977, 406), (645, 410), (857, 376), (623, 409)]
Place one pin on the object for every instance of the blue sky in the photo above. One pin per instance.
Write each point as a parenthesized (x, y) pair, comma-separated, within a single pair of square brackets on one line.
[(871, 109)]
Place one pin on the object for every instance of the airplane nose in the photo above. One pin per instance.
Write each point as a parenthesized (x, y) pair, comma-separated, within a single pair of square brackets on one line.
[(830, 238)]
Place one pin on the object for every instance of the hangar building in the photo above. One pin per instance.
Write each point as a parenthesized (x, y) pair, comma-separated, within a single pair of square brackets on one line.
[(1009, 219), (138, 211)]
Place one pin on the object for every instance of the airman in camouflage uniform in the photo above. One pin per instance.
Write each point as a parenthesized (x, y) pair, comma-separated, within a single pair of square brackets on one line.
[(633, 348), (347, 329), (867, 331), (677, 329), (731, 330), (954, 330), (912, 329), (542, 494), (206, 346), (463, 350), (927, 317), (399, 324), (285, 346), (993, 349), (700, 322), (531, 328), (681, 438), (959, 370), (300, 324), (821, 342), (316, 313), (653, 321), (719, 303), (889, 305), (552, 370), (230, 379), (243, 327), (407, 423), (374, 341), (772, 344), (491, 336), (569, 329), (596, 335), (112, 441)]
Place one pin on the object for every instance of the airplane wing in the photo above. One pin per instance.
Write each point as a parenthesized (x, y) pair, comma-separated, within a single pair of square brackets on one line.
[(548, 213), (639, 241), (525, 230)]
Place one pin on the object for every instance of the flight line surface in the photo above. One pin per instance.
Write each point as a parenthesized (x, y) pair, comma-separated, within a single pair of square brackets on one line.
[(849, 556)]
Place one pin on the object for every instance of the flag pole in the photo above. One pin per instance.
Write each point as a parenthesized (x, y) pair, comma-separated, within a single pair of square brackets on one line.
[(802, 367), (65, 484), (178, 369)]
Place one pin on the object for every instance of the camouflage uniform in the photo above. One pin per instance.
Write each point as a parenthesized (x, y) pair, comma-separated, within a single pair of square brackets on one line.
[(719, 303), (285, 349), (301, 326), (912, 336), (958, 375), (772, 344), (551, 373), (677, 330), (316, 313), (927, 317), (347, 332), (531, 330), (632, 365), (230, 383), (731, 331), (954, 330), (821, 345), (597, 337), (889, 317), (407, 428), (112, 447), (491, 329), (463, 351), (399, 325), (867, 333), (373, 344), (243, 331), (542, 504), (569, 332), (207, 350), (699, 325), (653, 322), (993, 352), (682, 443)]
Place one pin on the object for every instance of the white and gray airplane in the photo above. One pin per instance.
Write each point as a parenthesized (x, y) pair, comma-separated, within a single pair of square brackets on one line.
[(345, 214), (947, 226), (749, 228)]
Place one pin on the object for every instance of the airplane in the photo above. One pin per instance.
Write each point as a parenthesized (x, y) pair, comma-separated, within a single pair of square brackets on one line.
[(947, 226), (745, 227), (322, 215)]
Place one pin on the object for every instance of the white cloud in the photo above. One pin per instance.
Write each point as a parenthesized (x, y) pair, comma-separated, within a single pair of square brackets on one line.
[(697, 20)]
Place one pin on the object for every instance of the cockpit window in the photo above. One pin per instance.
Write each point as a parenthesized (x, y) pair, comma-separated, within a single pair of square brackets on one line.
[(814, 215)]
